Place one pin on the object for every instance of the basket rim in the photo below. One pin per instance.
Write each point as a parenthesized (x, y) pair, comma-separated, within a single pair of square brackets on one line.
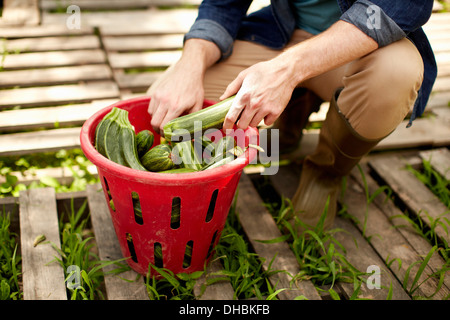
[(157, 177)]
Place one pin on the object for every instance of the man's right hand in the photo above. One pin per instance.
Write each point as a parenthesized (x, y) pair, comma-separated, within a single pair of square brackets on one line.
[(180, 89)]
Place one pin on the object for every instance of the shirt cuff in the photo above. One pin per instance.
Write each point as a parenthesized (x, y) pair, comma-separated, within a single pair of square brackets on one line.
[(212, 31), (374, 22)]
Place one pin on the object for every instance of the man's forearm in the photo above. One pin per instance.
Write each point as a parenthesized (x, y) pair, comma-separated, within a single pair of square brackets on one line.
[(200, 54), (340, 44)]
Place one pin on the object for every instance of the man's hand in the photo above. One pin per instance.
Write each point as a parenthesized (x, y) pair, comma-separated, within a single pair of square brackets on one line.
[(180, 89), (177, 91), (263, 91)]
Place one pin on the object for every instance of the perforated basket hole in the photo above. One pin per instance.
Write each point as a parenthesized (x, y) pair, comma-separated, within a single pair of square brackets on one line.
[(131, 247), (176, 213), (211, 246), (158, 254), (212, 205), (137, 208), (110, 199), (188, 254)]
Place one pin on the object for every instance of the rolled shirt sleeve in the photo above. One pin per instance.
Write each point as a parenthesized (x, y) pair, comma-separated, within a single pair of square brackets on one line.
[(374, 22), (212, 31), (387, 21)]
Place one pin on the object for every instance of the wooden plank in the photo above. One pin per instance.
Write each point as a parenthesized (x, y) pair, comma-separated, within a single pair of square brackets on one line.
[(38, 216), (117, 288), (389, 243), (136, 81), (439, 160), (53, 59), (54, 76), (143, 21), (43, 31), (39, 141), (258, 224), (431, 132), (395, 216), (63, 175), (20, 12), (442, 84), (143, 59), (143, 42), (57, 95), (50, 117), (414, 194), (220, 290), (51, 44), (114, 4), (360, 256), (438, 99)]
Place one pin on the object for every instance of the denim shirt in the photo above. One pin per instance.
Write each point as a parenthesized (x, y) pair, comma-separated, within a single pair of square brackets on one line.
[(385, 21)]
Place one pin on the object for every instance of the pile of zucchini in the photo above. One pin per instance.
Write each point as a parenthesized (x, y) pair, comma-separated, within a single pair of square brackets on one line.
[(116, 139)]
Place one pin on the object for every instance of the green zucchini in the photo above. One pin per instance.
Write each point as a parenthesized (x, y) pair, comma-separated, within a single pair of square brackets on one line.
[(224, 144), (187, 155), (102, 128), (127, 142), (210, 117), (113, 148), (224, 160), (144, 142), (179, 170), (158, 158), (115, 139)]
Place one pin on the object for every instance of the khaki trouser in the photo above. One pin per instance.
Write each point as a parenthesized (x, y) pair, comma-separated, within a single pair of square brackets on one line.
[(379, 89)]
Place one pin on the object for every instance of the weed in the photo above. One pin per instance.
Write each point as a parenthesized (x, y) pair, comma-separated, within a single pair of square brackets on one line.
[(77, 250), (10, 262)]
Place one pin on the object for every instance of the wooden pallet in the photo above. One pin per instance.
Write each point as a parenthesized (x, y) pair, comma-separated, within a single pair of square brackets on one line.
[(372, 237), (54, 79)]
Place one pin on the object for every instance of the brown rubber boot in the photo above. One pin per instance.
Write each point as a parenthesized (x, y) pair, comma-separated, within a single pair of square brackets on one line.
[(294, 118), (339, 149)]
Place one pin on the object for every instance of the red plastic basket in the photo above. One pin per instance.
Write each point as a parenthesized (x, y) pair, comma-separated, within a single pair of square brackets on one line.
[(204, 199)]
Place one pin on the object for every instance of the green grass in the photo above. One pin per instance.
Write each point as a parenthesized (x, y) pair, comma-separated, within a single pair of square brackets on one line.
[(69, 159), (10, 261), (77, 254)]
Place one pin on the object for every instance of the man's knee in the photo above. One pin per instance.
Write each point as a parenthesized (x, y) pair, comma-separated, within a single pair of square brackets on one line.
[(380, 88)]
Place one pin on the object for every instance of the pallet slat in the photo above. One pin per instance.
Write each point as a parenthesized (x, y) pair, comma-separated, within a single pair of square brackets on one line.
[(44, 31), (38, 216), (389, 244), (416, 196), (39, 141), (439, 159), (395, 215), (54, 76), (220, 290), (115, 23), (53, 59), (109, 250), (144, 42), (136, 81), (258, 224), (60, 94), (143, 59), (51, 43), (114, 4), (362, 256), (50, 117)]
